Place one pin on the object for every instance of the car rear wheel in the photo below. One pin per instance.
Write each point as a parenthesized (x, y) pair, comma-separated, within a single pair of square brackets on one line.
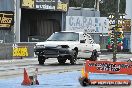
[(94, 55)]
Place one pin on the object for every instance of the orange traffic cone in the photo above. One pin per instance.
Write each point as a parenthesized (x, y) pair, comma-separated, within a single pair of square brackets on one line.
[(84, 80), (84, 73), (26, 80)]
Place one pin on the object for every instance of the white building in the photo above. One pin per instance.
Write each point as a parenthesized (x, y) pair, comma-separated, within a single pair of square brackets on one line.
[(129, 16)]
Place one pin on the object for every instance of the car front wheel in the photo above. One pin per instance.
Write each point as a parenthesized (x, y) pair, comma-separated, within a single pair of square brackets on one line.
[(41, 60), (61, 60), (73, 57)]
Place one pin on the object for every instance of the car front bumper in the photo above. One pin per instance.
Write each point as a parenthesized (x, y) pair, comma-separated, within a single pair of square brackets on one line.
[(53, 52)]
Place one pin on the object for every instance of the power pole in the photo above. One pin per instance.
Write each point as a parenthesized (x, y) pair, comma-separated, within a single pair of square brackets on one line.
[(14, 20), (98, 5)]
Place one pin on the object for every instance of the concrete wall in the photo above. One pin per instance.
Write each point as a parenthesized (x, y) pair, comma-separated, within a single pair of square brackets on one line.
[(6, 50), (83, 12)]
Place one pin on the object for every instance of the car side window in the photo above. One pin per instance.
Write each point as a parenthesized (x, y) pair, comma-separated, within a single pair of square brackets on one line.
[(82, 38), (89, 39)]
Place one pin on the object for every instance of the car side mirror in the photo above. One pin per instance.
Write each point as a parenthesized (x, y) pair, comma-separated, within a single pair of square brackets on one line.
[(82, 41)]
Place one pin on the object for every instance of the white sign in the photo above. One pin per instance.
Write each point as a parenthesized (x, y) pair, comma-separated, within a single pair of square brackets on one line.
[(87, 24), (46, 4), (45, 7)]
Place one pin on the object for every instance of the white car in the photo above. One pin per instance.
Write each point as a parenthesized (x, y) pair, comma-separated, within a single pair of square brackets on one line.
[(67, 45)]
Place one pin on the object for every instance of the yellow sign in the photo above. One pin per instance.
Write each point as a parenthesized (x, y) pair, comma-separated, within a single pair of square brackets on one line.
[(127, 25), (62, 6), (4, 25), (28, 3), (20, 51)]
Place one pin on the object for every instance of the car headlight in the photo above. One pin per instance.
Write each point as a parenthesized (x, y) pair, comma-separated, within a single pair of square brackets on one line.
[(59, 46), (39, 46)]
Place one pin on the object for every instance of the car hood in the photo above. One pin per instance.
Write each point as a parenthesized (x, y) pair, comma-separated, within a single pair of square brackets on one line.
[(56, 43)]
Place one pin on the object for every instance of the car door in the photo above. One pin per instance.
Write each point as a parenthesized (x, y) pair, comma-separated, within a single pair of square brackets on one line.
[(84, 48)]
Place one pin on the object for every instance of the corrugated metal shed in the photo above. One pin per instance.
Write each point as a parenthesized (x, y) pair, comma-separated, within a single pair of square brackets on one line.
[(6, 35), (6, 5)]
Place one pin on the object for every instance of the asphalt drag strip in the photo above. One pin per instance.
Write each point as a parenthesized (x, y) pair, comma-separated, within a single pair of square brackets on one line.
[(62, 80)]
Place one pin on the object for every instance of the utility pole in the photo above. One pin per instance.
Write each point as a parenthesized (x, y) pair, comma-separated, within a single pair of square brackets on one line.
[(14, 20), (82, 7), (95, 4), (98, 5)]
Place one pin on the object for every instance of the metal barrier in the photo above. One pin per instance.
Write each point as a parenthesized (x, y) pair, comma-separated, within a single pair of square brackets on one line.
[(108, 68)]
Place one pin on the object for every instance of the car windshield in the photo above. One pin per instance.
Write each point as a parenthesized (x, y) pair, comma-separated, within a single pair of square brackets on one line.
[(64, 36)]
